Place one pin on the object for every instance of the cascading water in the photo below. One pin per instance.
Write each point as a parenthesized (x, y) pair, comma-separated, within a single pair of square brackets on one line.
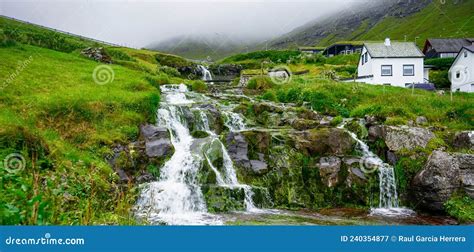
[(229, 178), (388, 197), (176, 198), (234, 121), (206, 74)]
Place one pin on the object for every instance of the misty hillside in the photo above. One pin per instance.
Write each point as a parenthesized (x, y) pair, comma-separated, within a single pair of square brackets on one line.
[(388, 18), (203, 47)]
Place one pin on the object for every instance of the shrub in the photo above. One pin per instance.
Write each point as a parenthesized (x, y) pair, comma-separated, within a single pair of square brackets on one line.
[(119, 55), (260, 83), (170, 71), (441, 63), (270, 96), (440, 79), (460, 206), (156, 81), (199, 86)]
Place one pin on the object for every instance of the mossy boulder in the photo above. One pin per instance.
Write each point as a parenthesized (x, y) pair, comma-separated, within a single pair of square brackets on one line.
[(325, 141), (199, 134), (223, 199)]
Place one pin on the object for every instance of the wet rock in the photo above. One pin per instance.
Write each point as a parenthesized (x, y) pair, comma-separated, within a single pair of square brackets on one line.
[(214, 117), (237, 148), (159, 148), (329, 168), (150, 132), (325, 141), (97, 54), (144, 177), (376, 132), (223, 199), (392, 157), (259, 140), (464, 139), (443, 174), (309, 115), (304, 124), (226, 69)]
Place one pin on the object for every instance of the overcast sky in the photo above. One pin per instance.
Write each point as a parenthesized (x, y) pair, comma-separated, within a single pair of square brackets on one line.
[(138, 23)]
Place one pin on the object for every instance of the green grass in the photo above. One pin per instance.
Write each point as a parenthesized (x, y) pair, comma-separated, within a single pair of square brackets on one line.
[(64, 124), (437, 20), (358, 100), (461, 206)]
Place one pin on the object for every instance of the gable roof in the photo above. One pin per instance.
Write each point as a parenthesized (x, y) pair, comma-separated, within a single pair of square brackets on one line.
[(449, 45), (395, 50), (470, 48)]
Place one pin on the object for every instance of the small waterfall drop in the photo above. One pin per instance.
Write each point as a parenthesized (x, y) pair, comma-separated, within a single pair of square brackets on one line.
[(206, 74), (388, 197), (233, 121)]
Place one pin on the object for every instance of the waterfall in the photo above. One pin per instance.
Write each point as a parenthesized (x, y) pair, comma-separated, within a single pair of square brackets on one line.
[(176, 198), (388, 197), (234, 121), (206, 74), (229, 178)]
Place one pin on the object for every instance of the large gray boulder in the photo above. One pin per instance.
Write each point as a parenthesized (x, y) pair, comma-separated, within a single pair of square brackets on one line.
[(157, 141), (398, 138), (237, 147), (324, 141), (443, 174), (329, 168)]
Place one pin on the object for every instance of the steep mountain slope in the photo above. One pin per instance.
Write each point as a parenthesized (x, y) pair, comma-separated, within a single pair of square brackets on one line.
[(398, 19), (202, 47)]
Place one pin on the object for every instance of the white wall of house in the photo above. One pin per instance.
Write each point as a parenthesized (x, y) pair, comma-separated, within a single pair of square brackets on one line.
[(373, 66), (461, 72)]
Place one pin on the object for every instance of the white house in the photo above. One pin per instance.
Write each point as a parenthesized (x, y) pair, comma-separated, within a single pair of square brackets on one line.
[(461, 72), (391, 63)]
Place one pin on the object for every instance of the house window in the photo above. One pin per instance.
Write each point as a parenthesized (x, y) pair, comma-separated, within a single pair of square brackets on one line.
[(366, 57), (465, 54), (363, 59), (408, 70), (386, 70), (458, 74)]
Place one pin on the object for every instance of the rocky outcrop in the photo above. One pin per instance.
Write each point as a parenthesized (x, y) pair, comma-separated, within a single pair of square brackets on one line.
[(247, 149), (329, 168), (443, 174), (157, 141), (97, 54), (132, 162), (326, 141), (304, 124), (398, 138), (464, 140)]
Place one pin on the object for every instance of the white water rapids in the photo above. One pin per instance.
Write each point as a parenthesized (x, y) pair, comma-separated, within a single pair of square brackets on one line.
[(176, 198)]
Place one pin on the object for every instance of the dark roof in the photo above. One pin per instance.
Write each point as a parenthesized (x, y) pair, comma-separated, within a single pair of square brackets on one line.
[(470, 48), (395, 50), (449, 45)]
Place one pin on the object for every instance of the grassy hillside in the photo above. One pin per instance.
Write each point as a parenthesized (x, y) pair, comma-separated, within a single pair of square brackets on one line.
[(437, 20), (398, 20), (63, 113)]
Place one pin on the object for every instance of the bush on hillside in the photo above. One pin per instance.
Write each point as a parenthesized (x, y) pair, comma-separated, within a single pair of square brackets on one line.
[(198, 86), (440, 79), (440, 63), (260, 83), (156, 81)]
